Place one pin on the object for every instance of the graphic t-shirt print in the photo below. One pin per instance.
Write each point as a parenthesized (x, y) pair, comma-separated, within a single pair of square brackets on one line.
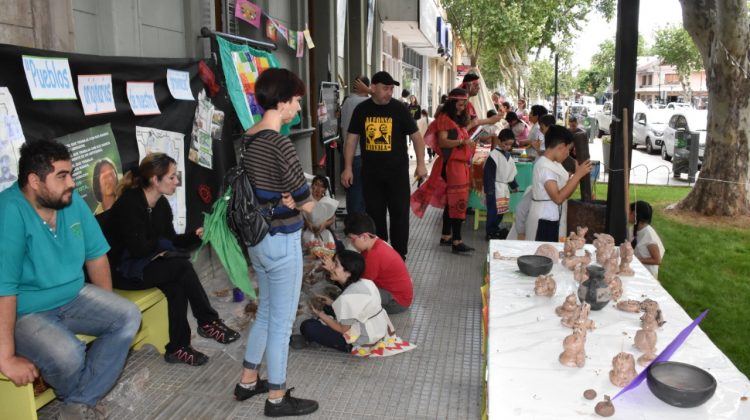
[(378, 134)]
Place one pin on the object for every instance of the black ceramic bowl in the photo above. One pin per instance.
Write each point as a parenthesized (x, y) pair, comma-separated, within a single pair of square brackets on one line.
[(680, 384), (534, 265)]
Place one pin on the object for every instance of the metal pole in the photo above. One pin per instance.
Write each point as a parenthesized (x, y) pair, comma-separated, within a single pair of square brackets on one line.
[(554, 102)]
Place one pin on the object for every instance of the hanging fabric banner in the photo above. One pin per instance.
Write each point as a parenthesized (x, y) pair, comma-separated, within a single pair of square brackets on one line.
[(248, 11)]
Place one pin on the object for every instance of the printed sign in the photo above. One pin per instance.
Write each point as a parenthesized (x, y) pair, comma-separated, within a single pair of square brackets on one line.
[(48, 77), (95, 91), (179, 85), (11, 139), (142, 99)]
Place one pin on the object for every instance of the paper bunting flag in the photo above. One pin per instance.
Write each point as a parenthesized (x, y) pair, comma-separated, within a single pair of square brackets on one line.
[(292, 40), (271, 30), (249, 12), (300, 44), (281, 29), (308, 39)]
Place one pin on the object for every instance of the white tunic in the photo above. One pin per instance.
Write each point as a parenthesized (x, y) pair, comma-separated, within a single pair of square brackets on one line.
[(647, 236), (542, 206)]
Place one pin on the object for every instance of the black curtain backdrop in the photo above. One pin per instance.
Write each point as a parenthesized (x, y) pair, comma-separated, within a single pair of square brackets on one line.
[(50, 119)]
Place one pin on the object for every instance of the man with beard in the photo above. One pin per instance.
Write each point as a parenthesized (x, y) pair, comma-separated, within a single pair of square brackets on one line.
[(47, 234), (471, 85)]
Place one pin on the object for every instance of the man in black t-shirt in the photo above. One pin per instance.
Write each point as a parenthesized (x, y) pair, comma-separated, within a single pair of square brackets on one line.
[(381, 125)]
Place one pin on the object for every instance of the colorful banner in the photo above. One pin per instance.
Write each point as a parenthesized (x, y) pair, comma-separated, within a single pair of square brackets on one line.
[(153, 140), (142, 99), (97, 162), (271, 30), (249, 12), (292, 40), (95, 91), (178, 83), (48, 77), (11, 139)]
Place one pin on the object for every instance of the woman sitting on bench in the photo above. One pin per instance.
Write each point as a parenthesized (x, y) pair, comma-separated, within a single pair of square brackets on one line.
[(144, 254)]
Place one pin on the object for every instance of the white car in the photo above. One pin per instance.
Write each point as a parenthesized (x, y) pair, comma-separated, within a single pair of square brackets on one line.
[(679, 105), (648, 128), (688, 120)]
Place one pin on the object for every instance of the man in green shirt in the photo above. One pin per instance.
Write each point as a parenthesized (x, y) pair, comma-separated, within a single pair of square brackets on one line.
[(47, 234)]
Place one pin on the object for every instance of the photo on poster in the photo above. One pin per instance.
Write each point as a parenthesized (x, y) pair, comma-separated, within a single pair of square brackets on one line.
[(98, 169), (154, 140), (11, 139)]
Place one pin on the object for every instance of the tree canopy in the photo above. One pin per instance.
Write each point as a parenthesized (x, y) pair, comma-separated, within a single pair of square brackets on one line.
[(675, 47)]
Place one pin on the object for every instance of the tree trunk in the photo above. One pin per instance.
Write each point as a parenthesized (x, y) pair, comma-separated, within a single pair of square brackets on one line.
[(721, 32)]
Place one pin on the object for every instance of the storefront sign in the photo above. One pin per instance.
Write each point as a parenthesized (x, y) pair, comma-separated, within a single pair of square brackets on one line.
[(48, 78)]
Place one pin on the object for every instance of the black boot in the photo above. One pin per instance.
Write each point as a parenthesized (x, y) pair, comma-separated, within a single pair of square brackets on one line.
[(461, 248)]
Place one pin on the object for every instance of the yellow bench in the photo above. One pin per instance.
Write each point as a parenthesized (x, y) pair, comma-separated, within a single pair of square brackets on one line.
[(19, 402)]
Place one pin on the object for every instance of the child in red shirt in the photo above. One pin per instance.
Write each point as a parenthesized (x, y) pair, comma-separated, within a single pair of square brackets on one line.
[(383, 265)]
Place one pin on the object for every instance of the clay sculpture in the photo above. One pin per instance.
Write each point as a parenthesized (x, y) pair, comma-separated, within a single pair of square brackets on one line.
[(626, 257), (574, 354), (595, 291), (605, 247), (571, 262), (623, 369), (569, 307), (545, 285), (549, 251), (645, 339), (629, 305), (579, 273), (605, 408), (652, 306), (579, 318)]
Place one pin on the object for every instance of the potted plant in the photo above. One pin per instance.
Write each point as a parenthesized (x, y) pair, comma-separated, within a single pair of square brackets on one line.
[(606, 143)]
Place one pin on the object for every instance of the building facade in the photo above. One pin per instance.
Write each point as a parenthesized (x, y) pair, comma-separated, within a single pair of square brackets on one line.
[(656, 82)]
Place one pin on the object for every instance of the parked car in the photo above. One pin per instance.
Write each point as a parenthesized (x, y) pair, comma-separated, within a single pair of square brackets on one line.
[(648, 128), (604, 117), (577, 110), (679, 105), (685, 120), (656, 106)]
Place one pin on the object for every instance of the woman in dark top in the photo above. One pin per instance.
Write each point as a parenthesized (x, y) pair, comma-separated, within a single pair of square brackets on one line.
[(275, 172), (144, 254)]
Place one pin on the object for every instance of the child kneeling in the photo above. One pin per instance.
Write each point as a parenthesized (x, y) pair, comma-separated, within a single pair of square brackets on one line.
[(360, 326)]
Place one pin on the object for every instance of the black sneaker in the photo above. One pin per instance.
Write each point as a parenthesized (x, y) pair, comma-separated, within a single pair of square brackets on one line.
[(461, 248), (241, 394), (187, 355), (290, 406), (218, 331), (446, 242)]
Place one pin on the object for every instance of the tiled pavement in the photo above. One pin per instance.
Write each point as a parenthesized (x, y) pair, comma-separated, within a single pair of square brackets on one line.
[(441, 379)]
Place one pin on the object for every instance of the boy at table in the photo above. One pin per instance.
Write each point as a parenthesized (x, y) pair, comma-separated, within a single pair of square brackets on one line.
[(383, 265), (552, 186), (499, 179)]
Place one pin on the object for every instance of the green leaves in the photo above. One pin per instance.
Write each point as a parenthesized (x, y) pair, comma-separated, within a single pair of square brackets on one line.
[(674, 45)]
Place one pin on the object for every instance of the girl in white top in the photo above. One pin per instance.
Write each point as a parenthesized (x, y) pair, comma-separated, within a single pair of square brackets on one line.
[(647, 246), (552, 186)]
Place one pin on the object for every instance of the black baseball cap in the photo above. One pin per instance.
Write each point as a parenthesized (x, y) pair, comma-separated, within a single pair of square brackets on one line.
[(383, 78)]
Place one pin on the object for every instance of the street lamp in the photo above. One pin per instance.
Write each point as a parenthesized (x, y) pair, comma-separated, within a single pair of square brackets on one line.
[(556, 41)]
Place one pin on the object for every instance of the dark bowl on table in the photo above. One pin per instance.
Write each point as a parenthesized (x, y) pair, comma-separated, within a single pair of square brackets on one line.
[(534, 265), (680, 384)]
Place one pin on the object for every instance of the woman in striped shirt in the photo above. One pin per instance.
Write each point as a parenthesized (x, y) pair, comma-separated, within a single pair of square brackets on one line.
[(275, 172)]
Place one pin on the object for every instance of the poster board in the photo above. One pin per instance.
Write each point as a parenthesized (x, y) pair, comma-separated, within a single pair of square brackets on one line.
[(328, 122)]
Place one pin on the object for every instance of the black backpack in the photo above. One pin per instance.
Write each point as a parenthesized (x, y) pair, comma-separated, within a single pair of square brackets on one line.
[(248, 220)]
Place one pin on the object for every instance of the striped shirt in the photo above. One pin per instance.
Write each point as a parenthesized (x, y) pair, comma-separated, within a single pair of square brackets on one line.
[(272, 163)]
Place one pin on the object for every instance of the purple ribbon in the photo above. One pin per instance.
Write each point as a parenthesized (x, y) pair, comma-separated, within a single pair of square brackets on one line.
[(664, 355)]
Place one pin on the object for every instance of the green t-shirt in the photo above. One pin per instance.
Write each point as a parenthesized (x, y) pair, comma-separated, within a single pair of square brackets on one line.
[(44, 270)]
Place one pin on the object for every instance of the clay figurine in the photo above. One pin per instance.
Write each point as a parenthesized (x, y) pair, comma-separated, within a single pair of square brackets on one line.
[(545, 285), (630, 305), (652, 306), (571, 262), (579, 273), (578, 238), (496, 255), (605, 247), (589, 394), (605, 408), (569, 307), (623, 369), (626, 257), (549, 251), (569, 249), (645, 339), (595, 291), (574, 354), (579, 318), (611, 266), (615, 287)]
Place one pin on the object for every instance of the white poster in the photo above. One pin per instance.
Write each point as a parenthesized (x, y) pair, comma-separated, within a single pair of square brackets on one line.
[(179, 84), (95, 91), (142, 99), (153, 140), (11, 139), (48, 77)]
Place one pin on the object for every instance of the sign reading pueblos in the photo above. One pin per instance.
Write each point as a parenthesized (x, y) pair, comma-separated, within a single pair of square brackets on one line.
[(95, 91), (142, 99), (48, 77)]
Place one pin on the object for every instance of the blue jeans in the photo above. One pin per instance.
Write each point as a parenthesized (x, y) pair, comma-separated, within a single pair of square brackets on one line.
[(315, 331), (277, 261), (355, 201), (48, 340), (492, 225)]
